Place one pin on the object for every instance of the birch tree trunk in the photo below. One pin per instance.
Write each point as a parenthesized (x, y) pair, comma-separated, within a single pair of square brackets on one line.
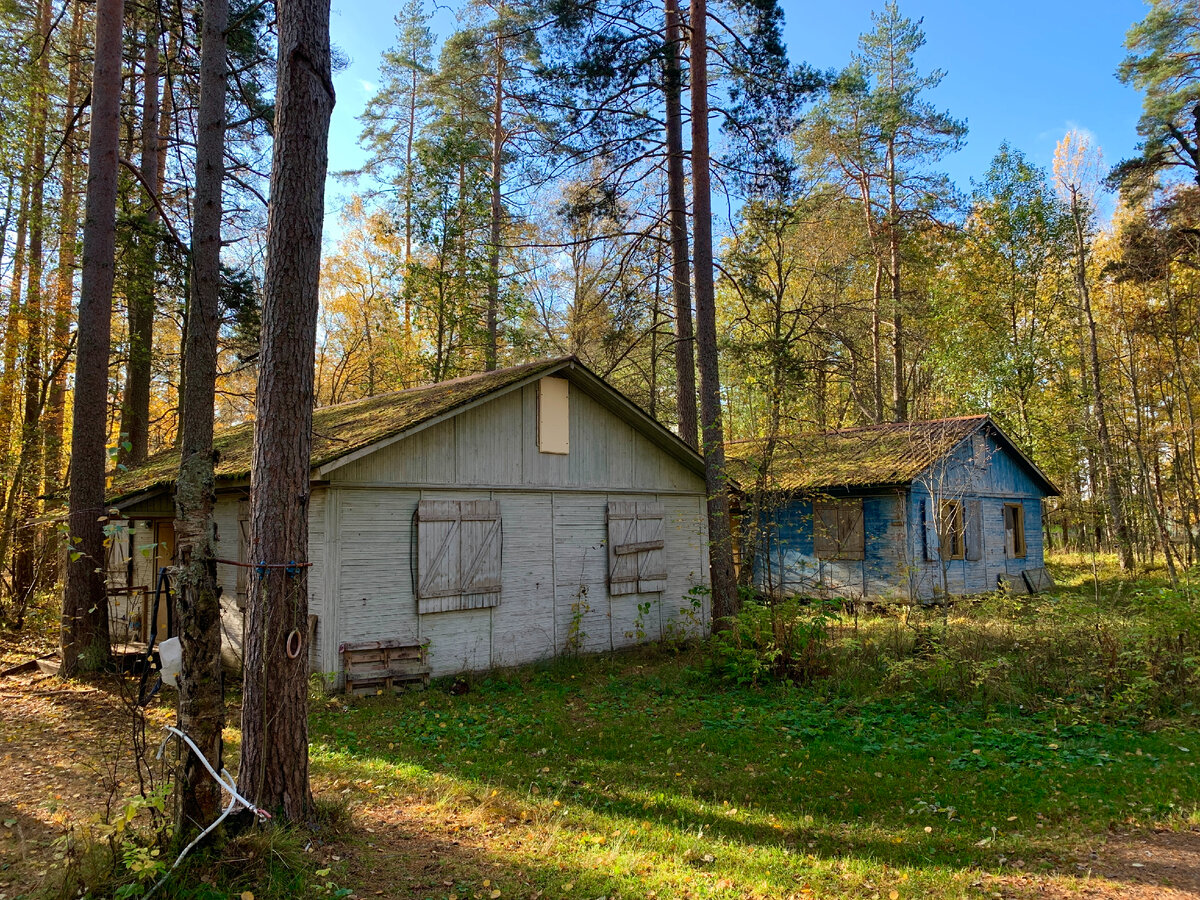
[(724, 585), (84, 631), (1103, 435), (198, 605), (274, 755)]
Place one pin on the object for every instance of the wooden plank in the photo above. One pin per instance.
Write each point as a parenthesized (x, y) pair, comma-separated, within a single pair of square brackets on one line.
[(1038, 579), (1013, 584), (652, 566)]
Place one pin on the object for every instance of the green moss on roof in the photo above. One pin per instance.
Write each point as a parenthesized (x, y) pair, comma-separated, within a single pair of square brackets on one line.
[(339, 429), (894, 453)]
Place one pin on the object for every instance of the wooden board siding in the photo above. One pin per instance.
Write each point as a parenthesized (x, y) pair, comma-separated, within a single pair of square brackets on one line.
[(549, 600), (1001, 479), (494, 445), (794, 568), (554, 562)]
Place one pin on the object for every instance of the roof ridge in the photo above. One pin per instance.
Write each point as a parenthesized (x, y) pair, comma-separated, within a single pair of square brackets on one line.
[(461, 379)]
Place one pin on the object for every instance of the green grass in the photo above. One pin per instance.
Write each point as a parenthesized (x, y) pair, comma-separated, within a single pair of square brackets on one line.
[(643, 773)]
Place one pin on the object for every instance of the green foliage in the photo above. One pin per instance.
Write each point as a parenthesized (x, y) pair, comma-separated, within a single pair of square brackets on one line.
[(788, 640), (1162, 63)]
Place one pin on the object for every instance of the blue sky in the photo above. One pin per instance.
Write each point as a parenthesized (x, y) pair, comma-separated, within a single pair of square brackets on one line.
[(1021, 71)]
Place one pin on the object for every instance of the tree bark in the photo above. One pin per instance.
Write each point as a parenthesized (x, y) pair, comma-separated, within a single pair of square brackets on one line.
[(724, 584), (1112, 488), (274, 757), (27, 479), (497, 205), (681, 282), (899, 391), (84, 631), (65, 275), (198, 605), (135, 407)]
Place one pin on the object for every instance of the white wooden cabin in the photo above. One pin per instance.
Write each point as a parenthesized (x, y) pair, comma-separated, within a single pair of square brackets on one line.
[(494, 520)]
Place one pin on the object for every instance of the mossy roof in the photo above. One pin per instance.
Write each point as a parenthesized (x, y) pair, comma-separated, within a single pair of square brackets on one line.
[(895, 453), (340, 429)]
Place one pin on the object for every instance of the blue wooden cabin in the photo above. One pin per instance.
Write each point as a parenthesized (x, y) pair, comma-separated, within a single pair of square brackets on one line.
[(905, 511)]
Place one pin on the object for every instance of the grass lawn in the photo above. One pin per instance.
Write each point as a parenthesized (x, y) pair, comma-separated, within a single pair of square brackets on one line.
[(641, 775), (1016, 747)]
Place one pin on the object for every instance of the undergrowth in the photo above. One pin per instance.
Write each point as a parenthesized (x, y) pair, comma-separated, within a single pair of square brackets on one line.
[(1133, 653)]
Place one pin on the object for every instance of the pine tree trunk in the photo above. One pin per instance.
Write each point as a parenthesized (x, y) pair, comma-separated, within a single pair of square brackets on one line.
[(724, 585), (198, 605), (12, 324), (274, 757), (497, 206), (899, 392), (84, 636), (135, 407), (27, 480), (65, 275), (681, 284)]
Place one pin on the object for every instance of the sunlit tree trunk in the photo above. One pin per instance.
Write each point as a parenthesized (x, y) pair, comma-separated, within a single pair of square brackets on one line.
[(724, 586), (681, 282), (274, 754), (201, 710), (84, 636), (65, 274)]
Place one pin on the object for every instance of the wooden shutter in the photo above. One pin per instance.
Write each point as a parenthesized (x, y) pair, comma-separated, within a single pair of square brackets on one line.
[(480, 544), (974, 535), (243, 552), (826, 529), (636, 561), (930, 543), (852, 534), (652, 563), (459, 560)]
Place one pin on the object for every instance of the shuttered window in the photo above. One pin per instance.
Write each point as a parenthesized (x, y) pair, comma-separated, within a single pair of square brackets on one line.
[(636, 560), (951, 530), (1014, 530), (458, 555), (838, 529), (974, 536)]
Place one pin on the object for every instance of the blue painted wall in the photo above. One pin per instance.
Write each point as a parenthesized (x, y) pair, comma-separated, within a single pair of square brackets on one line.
[(895, 564)]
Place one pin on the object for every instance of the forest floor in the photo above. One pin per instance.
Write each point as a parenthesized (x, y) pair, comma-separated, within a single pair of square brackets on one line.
[(888, 775)]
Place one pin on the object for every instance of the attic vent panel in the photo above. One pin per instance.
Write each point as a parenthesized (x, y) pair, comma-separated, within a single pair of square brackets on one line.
[(554, 420)]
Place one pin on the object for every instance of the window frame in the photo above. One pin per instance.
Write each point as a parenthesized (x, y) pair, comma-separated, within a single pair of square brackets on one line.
[(952, 529), (845, 512), (1017, 547)]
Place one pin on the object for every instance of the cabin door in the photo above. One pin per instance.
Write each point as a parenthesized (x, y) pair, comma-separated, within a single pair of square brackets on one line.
[(164, 555)]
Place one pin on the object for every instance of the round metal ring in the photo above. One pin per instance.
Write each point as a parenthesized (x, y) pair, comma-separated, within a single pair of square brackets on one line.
[(293, 643)]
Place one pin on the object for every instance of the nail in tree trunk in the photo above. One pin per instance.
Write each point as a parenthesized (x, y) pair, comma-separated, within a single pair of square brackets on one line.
[(724, 586), (84, 633), (198, 605), (135, 407), (274, 757), (681, 286)]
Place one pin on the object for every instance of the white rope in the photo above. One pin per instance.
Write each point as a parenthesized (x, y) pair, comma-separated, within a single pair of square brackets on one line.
[(225, 780)]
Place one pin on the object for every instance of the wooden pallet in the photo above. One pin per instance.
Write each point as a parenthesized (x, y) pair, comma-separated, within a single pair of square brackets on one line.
[(375, 666)]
